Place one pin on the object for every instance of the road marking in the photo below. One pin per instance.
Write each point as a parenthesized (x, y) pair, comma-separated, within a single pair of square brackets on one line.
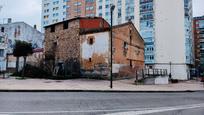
[(138, 111), (160, 109)]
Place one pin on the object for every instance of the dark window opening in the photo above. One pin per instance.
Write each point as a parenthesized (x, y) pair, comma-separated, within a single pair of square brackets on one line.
[(65, 25), (91, 41), (52, 29), (130, 63), (130, 36), (55, 44), (90, 60), (125, 48), (2, 29), (125, 45)]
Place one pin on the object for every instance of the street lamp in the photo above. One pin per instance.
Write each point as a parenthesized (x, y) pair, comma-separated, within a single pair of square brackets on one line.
[(111, 75), (170, 75)]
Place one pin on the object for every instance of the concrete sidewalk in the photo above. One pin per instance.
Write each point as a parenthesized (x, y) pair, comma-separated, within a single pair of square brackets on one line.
[(12, 84)]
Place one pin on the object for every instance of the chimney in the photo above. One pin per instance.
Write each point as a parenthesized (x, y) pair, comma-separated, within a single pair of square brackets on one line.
[(35, 26), (9, 20)]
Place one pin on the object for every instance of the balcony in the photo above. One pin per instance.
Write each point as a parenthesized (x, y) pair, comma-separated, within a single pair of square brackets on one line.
[(145, 1)]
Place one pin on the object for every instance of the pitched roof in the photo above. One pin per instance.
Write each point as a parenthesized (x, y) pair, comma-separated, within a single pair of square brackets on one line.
[(76, 18), (128, 23)]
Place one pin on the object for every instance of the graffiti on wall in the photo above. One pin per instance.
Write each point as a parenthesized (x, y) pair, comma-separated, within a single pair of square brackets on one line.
[(17, 31)]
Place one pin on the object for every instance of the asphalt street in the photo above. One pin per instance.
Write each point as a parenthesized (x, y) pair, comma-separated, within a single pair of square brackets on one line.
[(91, 103)]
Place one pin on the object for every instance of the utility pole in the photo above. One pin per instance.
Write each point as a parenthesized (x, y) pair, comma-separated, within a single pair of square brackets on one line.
[(111, 74), (170, 75)]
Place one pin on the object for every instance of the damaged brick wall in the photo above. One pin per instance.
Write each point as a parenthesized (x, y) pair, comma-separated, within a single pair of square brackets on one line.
[(128, 48), (62, 44)]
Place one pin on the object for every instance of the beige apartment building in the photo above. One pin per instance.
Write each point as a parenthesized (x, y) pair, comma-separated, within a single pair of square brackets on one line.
[(60, 10), (81, 8)]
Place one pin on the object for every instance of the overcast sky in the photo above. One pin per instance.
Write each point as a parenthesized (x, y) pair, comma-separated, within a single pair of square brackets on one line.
[(30, 10)]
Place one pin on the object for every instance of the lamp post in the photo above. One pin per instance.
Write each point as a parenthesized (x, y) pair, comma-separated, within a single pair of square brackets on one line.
[(170, 63), (111, 31)]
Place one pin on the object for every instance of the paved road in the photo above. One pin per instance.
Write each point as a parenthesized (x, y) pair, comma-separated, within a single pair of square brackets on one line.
[(84, 103)]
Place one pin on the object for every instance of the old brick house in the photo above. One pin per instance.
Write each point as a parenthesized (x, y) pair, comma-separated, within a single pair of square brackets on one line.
[(84, 44), (128, 47)]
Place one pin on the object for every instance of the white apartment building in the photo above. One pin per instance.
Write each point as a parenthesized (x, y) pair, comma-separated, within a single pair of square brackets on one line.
[(53, 11), (166, 27), (125, 10), (9, 32)]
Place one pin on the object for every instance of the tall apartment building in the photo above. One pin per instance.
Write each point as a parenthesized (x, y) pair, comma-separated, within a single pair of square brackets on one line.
[(81, 8), (166, 27), (54, 11), (198, 25), (125, 10)]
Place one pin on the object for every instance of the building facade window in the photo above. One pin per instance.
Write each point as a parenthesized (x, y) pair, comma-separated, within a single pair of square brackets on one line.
[(1, 52), (188, 31), (2, 29), (147, 29), (77, 3)]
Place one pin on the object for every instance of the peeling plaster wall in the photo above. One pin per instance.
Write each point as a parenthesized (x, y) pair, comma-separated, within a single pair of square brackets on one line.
[(96, 54)]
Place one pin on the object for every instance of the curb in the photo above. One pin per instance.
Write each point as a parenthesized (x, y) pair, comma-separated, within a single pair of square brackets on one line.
[(102, 91)]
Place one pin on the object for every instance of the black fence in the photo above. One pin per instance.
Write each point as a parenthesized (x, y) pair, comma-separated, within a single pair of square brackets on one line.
[(144, 73)]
